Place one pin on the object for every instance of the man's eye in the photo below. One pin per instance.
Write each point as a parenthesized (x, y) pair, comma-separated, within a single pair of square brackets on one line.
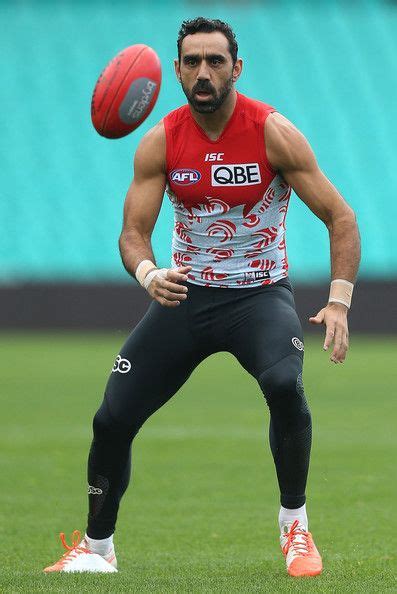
[(216, 61), (191, 62)]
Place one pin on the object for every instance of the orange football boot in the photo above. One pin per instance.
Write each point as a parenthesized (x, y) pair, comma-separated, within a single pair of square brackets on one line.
[(78, 558), (300, 552)]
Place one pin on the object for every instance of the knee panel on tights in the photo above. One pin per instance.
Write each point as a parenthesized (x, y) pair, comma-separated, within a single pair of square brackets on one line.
[(283, 389), (280, 380), (105, 426)]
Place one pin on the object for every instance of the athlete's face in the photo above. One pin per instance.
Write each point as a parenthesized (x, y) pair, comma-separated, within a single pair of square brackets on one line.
[(206, 70)]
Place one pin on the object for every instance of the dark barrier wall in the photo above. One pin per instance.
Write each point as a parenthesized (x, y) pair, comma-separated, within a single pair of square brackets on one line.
[(121, 306)]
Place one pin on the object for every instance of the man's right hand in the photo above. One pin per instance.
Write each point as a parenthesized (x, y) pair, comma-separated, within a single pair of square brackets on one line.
[(167, 290)]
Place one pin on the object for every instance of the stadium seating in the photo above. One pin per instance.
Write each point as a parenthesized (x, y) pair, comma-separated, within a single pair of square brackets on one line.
[(328, 66)]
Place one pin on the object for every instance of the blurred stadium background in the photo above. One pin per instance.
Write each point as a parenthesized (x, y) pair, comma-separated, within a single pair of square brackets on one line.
[(331, 68), (328, 66)]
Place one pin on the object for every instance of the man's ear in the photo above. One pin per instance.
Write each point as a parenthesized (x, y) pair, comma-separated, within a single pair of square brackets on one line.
[(177, 70), (237, 69)]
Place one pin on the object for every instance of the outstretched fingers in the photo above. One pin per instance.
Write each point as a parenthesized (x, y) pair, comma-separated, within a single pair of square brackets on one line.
[(329, 335), (335, 321), (341, 345)]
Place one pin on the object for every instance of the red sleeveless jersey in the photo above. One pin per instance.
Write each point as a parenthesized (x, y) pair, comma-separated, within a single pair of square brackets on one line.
[(229, 204)]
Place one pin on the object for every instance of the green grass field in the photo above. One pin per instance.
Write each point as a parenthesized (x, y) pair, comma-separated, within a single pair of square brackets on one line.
[(201, 513)]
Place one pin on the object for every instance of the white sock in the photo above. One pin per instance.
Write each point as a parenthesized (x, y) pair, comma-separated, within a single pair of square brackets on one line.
[(101, 547), (287, 516)]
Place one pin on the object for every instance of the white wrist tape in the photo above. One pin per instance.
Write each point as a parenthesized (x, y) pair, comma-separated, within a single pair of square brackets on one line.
[(341, 291), (150, 276), (142, 270)]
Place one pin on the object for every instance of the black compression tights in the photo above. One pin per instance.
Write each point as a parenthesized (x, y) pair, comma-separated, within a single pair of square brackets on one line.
[(257, 325)]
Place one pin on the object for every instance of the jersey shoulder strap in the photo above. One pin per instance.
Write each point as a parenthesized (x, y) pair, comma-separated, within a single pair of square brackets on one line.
[(173, 124), (176, 118), (256, 110)]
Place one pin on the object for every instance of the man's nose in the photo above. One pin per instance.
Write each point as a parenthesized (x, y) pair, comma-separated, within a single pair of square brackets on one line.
[(203, 73)]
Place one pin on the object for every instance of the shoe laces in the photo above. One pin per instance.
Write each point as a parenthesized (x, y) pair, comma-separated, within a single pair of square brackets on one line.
[(75, 548), (298, 539)]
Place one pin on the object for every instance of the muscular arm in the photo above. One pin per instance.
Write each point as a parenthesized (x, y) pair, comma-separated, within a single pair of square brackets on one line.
[(143, 200), (290, 154), (141, 209)]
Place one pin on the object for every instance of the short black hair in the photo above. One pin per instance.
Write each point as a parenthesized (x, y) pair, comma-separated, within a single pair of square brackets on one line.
[(203, 25)]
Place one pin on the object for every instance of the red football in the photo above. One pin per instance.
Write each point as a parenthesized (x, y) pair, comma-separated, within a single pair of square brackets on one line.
[(126, 91)]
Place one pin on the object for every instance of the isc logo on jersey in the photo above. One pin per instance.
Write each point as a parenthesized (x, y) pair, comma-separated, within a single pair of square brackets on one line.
[(238, 174), (185, 177)]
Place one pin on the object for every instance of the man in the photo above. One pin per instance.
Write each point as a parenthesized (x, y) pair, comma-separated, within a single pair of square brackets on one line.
[(228, 164)]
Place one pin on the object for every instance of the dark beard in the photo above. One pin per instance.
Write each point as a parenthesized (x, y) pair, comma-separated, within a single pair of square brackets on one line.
[(205, 86)]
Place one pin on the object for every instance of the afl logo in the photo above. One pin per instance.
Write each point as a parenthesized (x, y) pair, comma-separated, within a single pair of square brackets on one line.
[(185, 177)]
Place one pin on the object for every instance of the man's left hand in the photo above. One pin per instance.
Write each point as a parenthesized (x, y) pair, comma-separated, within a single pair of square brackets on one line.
[(334, 317)]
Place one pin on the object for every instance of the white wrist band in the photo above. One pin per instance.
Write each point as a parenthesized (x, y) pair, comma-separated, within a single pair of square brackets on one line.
[(341, 291), (150, 276), (142, 270)]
